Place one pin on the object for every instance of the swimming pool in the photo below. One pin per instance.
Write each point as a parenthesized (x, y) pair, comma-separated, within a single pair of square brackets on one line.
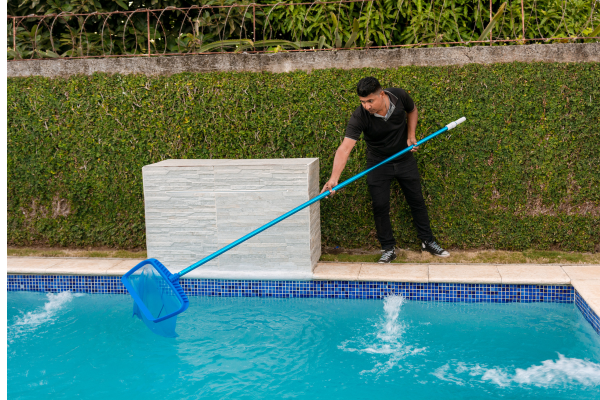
[(67, 344)]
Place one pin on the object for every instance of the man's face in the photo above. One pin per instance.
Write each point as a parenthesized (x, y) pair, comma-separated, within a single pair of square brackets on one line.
[(374, 103)]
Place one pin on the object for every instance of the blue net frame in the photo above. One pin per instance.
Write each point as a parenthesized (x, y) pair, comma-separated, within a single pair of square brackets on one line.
[(158, 297)]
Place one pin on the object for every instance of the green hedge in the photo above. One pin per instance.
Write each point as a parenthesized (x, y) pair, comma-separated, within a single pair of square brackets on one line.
[(522, 172)]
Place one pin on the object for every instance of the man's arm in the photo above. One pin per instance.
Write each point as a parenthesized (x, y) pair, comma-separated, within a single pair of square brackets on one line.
[(339, 162), (412, 117)]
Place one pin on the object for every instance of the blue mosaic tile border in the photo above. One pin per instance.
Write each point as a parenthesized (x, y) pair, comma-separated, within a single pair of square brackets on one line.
[(61, 283), (446, 292), (587, 312)]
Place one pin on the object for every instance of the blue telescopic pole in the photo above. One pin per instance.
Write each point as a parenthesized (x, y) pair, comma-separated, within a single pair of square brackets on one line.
[(241, 240)]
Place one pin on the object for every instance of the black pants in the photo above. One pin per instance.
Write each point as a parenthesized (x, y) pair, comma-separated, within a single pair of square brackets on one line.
[(379, 181)]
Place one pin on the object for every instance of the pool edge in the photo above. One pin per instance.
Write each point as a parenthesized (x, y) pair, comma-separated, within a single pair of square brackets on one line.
[(430, 291), (426, 282)]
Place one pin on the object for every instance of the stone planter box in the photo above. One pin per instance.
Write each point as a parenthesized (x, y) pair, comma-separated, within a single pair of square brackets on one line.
[(195, 207)]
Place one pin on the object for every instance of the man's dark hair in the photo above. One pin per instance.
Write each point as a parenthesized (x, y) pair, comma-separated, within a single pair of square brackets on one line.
[(367, 85)]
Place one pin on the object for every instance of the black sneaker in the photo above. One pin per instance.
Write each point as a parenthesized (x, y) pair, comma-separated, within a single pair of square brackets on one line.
[(434, 249), (387, 256)]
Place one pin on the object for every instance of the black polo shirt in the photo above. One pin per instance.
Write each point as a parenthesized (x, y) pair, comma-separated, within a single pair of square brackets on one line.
[(384, 138)]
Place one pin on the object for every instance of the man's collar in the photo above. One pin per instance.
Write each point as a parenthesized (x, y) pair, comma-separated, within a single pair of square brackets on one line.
[(392, 97), (391, 108)]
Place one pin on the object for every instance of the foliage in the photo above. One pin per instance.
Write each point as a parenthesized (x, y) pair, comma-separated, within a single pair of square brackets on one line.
[(521, 173), (357, 24)]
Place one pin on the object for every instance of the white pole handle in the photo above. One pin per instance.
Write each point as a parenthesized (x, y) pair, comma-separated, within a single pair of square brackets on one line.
[(452, 125)]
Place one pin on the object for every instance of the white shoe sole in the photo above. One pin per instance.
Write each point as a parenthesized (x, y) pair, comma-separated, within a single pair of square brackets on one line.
[(437, 255), (389, 262)]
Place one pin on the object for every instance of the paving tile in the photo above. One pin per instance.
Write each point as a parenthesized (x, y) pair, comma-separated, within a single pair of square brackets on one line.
[(582, 272), (594, 304), (394, 272), (30, 265), (122, 267), (588, 289), (471, 273), (532, 274), (337, 271), (84, 266)]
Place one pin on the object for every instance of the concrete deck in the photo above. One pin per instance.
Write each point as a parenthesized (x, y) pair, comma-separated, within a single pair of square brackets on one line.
[(584, 278), (69, 266)]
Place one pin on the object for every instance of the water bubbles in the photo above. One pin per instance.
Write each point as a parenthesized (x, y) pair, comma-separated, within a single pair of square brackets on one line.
[(33, 319), (550, 373), (385, 343)]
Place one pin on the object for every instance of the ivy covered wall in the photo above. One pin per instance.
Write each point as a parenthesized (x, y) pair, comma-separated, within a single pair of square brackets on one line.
[(522, 172)]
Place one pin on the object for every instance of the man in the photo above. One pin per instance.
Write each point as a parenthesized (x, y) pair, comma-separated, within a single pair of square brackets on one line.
[(388, 119)]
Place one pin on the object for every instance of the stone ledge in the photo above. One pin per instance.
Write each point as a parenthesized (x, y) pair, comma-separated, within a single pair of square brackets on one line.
[(70, 266), (309, 61), (584, 278), (527, 274)]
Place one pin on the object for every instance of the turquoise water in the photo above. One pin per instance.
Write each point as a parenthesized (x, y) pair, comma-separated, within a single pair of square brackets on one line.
[(88, 346)]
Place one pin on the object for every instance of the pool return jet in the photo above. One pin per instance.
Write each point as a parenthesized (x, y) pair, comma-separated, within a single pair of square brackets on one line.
[(158, 295)]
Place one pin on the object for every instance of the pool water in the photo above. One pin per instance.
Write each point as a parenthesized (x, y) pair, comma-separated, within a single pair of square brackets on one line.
[(80, 345)]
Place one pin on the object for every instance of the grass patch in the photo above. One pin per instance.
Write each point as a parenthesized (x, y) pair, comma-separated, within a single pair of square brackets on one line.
[(58, 252), (558, 256), (364, 256), (130, 254), (98, 254)]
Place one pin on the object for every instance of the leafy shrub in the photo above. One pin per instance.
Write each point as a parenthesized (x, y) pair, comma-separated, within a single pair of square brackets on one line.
[(286, 25), (521, 173)]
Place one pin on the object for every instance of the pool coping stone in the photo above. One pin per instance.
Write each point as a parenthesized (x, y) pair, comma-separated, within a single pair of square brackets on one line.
[(584, 278)]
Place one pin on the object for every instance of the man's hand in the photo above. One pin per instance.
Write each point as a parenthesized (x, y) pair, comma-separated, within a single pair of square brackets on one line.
[(330, 185), (412, 141)]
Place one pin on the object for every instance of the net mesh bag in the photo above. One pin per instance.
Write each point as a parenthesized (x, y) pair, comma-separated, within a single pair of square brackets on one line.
[(158, 297)]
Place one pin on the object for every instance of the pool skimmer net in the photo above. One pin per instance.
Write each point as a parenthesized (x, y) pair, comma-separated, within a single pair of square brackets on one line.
[(158, 296)]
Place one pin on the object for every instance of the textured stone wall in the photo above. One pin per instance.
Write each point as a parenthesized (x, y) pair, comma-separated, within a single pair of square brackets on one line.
[(307, 61), (196, 207)]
